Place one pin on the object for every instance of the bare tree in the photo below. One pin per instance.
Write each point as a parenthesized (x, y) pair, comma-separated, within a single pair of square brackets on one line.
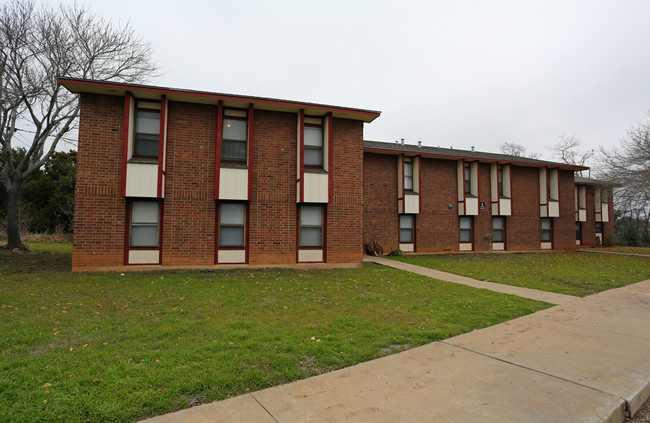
[(568, 150), (514, 149), (37, 46), (628, 168)]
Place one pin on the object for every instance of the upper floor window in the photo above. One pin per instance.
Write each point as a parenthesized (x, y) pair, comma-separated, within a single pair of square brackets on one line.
[(408, 176), (500, 176), (313, 146), (145, 218), (234, 139), (147, 133), (468, 179)]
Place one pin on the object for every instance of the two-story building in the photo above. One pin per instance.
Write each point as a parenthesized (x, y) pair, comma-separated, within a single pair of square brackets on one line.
[(191, 179)]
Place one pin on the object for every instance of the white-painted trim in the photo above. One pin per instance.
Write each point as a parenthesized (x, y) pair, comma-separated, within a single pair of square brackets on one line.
[(233, 183), (316, 187), (546, 246), (142, 180), (465, 246), (310, 256), (407, 248), (144, 256), (231, 256), (498, 246)]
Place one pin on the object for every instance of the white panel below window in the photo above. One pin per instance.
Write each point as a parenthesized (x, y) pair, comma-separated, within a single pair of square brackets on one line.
[(547, 246), (465, 246), (498, 246), (471, 207), (310, 256), (233, 184), (412, 203), (506, 207), (407, 248), (553, 209), (142, 180), (543, 211), (231, 256), (578, 242), (582, 215), (605, 213), (316, 187), (144, 257)]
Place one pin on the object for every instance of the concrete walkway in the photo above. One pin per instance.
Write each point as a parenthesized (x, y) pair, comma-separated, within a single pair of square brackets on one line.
[(534, 294), (584, 361)]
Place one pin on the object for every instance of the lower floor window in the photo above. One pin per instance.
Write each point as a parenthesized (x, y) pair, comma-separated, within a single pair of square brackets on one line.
[(145, 224), (578, 231), (311, 226), (547, 229), (498, 229), (465, 229), (599, 227), (406, 225), (232, 224)]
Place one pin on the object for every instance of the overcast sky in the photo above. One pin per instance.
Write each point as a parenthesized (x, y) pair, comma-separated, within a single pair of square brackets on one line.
[(448, 73)]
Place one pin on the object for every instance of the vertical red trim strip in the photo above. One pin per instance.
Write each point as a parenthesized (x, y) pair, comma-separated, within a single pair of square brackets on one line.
[(127, 231), (419, 158), (403, 193), (217, 159), (250, 152), (125, 140), (161, 142), (464, 190), (330, 129), (302, 154)]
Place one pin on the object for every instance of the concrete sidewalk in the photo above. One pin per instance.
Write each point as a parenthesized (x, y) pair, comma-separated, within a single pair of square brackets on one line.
[(534, 294), (585, 361)]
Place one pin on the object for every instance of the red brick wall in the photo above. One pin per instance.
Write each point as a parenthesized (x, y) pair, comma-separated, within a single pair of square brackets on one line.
[(380, 221), (99, 208), (437, 226), (189, 216), (589, 227)]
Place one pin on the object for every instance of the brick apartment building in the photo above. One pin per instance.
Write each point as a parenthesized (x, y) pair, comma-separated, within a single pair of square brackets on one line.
[(426, 199), (179, 178)]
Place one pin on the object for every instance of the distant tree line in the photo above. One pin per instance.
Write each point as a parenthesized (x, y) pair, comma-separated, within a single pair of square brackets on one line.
[(47, 203)]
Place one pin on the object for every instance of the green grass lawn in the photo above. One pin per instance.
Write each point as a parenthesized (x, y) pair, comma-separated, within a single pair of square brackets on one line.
[(112, 347), (578, 274)]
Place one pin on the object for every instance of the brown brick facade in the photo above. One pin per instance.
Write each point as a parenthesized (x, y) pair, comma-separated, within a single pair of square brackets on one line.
[(437, 224), (189, 209)]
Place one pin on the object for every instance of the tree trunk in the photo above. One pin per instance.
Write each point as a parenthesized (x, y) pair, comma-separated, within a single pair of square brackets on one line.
[(13, 226)]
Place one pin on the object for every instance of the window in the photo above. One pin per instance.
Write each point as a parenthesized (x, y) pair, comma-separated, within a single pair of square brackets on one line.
[(578, 231), (547, 229), (468, 179), (599, 227), (406, 222), (500, 176), (232, 218), (408, 176), (465, 229), (233, 142), (145, 217), (311, 226), (313, 146), (147, 133), (498, 229)]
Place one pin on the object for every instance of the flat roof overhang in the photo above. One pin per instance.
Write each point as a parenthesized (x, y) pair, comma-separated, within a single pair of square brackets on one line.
[(229, 100)]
